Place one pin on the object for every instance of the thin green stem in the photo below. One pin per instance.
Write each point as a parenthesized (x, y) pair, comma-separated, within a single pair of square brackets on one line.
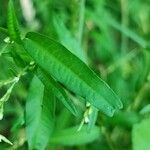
[(81, 20), (124, 23), (108, 139), (3, 30), (121, 61), (140, 95)]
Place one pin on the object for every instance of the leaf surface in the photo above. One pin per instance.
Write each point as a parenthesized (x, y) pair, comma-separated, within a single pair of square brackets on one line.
[(74, 74), (39, 115), (57, 90), (71, 136), (13, 27), (141, 135), (67, 39)]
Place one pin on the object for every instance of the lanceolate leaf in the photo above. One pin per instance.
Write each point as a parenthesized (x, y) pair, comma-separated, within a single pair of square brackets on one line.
[(12, 23), (56, 89), (47, 122), (71, 72), (71, 136), (39, 115), (19, 55), (68, 40)]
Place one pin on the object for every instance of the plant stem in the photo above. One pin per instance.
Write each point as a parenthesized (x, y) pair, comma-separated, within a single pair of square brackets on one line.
[(3, 30), (124, 23), (139, 96), (108, 139), (81, 20)]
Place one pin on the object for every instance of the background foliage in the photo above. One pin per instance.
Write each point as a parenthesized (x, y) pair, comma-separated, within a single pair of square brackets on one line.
[(112, 37)]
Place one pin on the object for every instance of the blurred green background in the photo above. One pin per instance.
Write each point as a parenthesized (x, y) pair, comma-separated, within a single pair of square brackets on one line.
[(112, 37)]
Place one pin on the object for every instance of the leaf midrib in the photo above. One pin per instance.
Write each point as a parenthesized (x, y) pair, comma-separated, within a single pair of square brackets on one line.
[(72, 72)]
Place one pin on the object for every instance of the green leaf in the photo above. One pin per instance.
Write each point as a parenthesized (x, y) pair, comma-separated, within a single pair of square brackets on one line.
[(39, 115), (71, 72), (57, 90), (145, 109), (141, 135), (67, 39), (20, 57), (12, 23), (71, 136)]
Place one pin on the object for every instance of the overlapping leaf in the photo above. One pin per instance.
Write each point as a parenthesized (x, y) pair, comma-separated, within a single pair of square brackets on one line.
[(75, 75), (39, 115), (56, 89), (68, 40)]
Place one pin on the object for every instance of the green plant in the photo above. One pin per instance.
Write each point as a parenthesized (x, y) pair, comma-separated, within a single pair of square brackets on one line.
[(51, 63), (57, 71)]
